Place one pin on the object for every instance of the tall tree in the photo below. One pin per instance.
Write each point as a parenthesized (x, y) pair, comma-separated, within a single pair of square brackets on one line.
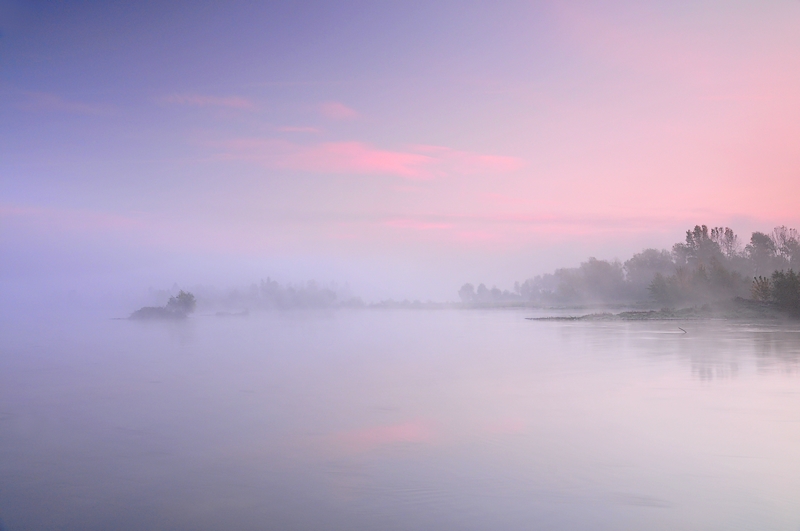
[(787, 245), (727, 241), (699, 248), (762, 253)]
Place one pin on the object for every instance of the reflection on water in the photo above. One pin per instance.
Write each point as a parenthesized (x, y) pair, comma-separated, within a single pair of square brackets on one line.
[(398, 420)]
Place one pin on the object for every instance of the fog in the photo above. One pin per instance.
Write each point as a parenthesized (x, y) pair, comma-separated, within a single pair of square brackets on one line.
[(399, 265), (116, 274), (711, 265), (47, 273), (301, 404)]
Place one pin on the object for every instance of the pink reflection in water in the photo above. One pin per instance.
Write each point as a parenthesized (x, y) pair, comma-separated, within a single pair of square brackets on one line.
[(365, 439)]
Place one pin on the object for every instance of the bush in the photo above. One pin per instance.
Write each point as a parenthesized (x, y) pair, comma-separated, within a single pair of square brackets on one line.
[(783, 289), (786, 289)]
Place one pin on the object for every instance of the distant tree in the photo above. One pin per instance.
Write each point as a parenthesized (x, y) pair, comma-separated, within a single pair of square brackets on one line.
[(593, 281), (540, 288), (726, 240), (725, 283), (641, 269), (702, 283), (698, 249), (603, 280), (662, 289), (467, 293), (483, 293), (761, 252), (786, 289), (787, 245), (709, 265), (184, 303), (177, 307)]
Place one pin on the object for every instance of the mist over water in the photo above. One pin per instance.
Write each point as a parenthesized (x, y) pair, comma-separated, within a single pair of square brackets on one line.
[(398, 419), (267, 265)]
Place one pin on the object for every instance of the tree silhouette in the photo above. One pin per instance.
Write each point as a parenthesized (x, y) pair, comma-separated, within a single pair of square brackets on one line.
[(184, 303), (177, 308)]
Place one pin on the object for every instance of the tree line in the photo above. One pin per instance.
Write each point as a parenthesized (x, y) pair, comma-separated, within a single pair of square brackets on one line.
[(709, 265), (266, 295), (270, 294)]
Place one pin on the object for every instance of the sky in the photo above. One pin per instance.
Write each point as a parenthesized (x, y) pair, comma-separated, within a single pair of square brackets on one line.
[(403, 148)]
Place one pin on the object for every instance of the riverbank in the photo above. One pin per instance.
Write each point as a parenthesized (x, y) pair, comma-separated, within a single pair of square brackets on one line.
[(736, 309)]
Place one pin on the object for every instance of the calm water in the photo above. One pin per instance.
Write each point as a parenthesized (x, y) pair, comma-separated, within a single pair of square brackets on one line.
[(398, 420)]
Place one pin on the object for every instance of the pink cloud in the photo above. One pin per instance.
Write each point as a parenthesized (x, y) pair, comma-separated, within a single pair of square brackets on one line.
[(338, 111), (421, 162), (467, 162), (231, 102), (329, 157), (370, 438)]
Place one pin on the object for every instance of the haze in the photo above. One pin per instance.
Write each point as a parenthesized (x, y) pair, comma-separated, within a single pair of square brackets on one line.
[(401, 266), (400, 148)]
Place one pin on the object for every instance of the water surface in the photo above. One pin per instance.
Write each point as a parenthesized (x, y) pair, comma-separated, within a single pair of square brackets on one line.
[(398, 420)]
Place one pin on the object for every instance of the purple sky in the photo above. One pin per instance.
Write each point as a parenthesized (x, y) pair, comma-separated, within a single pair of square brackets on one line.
[(405, 148)]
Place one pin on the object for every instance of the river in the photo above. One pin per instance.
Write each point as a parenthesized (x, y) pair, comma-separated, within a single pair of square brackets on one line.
[(398, 420)]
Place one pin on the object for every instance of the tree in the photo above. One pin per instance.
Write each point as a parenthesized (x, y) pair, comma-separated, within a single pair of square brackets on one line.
[(761, 251), (786, 289), (483, 294), (699, 248), (184, 303), (726, 240), (662, 289), (602, 280), (787, 244), (709, 265), (467, 293), (177, 308), (641, 269)]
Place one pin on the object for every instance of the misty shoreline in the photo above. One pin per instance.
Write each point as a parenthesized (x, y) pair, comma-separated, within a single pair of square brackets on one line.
[(711, 265), (737, 309), (733, 310), (710, 274)]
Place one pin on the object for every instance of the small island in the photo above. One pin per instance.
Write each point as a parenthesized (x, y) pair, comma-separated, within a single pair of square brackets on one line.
[(177, 307)]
